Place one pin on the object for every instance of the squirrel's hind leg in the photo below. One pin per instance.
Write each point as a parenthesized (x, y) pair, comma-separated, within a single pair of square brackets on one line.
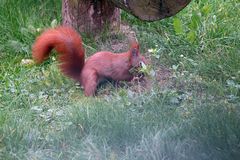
[(90, 83)]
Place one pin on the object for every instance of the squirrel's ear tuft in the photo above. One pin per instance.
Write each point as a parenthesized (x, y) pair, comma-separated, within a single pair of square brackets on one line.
[(134, 44)]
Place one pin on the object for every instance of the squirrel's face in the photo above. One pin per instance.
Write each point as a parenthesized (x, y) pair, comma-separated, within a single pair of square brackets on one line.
[(136, 59), (138, 62)]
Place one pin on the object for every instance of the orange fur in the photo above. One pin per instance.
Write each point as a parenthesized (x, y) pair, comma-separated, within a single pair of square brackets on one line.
[(67, 42)]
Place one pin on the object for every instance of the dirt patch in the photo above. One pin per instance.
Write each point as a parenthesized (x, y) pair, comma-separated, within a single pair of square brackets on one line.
[(117, 41), (162, 78)]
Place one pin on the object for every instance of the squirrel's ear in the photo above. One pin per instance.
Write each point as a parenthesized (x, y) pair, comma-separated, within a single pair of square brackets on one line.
[(134, 52), (134, 48)]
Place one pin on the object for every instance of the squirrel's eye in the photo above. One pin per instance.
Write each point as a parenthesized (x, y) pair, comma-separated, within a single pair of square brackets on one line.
[(141, 64)]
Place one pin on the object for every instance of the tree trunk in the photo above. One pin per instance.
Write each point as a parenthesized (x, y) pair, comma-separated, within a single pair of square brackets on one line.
[(151, 10), (90, 16)]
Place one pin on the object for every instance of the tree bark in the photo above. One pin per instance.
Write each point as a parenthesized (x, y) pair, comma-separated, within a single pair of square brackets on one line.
[(90, 16)]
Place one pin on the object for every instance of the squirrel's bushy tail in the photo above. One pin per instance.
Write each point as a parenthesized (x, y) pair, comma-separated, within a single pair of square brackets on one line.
[(68, 44)]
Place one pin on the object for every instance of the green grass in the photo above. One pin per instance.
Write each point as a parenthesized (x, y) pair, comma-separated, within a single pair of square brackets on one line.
[(44, 115)]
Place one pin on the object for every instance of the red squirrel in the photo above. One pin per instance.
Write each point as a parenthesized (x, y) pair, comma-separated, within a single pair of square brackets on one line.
[(68, 44)]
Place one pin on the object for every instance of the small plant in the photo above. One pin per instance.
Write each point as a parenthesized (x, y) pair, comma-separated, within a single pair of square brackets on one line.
[(155, 52)]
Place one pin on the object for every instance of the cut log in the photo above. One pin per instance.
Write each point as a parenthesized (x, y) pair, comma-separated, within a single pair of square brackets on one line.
[(151, 10)]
